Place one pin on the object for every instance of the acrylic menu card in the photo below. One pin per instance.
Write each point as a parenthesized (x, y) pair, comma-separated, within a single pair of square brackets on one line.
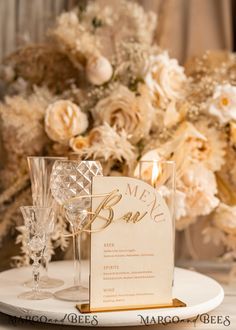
[(131, 263)]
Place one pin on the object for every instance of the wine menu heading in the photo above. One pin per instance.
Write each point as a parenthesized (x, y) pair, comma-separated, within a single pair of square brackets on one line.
[(131, 262)]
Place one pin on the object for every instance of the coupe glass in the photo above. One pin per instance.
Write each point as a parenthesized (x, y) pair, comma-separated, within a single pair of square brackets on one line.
[(70, 180), (40, 169), (38, 221)]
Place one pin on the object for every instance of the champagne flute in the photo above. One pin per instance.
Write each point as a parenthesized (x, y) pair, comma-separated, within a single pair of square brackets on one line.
[(37, 221), (40, 169)]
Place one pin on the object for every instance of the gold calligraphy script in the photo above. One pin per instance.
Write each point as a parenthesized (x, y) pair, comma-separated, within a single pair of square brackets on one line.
[(113, 198)]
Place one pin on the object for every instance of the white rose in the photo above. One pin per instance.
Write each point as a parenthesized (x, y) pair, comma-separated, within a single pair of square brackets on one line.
[(98, 70), (166, 79), (63, 120), (223, 103)]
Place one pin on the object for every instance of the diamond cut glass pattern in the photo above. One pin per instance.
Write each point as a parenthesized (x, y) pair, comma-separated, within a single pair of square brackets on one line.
[(73, 179)]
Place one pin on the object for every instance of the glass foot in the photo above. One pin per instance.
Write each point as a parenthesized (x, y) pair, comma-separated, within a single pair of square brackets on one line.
[(32, 295), (46, 282), (74, 293)]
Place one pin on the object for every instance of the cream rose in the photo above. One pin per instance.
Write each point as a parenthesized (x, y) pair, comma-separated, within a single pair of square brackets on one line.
[(223, 103), (166, 79), (64, 120), (122, 109)]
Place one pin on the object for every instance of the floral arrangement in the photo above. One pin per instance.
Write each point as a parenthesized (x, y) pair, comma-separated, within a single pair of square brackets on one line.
[(102, 89)]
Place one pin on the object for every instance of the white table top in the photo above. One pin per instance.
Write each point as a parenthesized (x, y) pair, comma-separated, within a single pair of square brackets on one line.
[(223, 317), (227, 309)]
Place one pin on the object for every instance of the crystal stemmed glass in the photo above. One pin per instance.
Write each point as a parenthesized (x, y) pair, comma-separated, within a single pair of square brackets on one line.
[(40, 169), (37, 221), (71, 179)]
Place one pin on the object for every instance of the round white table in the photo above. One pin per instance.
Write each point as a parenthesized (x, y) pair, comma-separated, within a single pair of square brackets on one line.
[(222, 317)]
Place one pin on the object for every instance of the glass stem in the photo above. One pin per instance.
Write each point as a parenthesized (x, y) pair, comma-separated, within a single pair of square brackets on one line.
[(79, 258), (45, 260), (76, 255), (36, 273)]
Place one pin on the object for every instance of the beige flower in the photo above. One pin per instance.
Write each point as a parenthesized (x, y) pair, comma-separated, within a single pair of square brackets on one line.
[(166, 79), (64, 120), (195, 194), (73, 39), (200, 187), (212, 151), (21, 132), (196, 189), (123, 110), (190, 144), (225, 218), (98, 70), (196, 186), (175, 112), (79, 142), (175, 149), (223, 103), (107, 144)]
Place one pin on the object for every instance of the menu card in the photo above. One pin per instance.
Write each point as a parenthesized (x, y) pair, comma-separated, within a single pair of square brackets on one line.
[(132, 258)]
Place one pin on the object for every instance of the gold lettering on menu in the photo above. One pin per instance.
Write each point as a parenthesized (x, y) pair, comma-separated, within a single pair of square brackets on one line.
[(154, 207), (113, 198), (144, 195), (130, 192), (129, 217)]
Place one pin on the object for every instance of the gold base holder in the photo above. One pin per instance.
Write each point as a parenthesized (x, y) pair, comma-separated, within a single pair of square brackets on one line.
[(85, 308)]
